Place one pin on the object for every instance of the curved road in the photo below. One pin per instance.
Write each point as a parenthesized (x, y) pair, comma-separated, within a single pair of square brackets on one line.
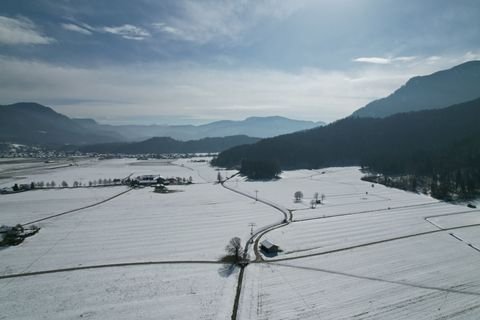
[(255, 238)]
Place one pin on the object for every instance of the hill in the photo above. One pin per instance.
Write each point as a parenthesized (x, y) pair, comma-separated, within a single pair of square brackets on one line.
[(261, 127), (168, 145), (32, 123), (438, 90), (434, 143)]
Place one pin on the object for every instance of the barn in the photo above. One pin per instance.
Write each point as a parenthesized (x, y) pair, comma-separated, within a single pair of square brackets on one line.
[(268, 247)]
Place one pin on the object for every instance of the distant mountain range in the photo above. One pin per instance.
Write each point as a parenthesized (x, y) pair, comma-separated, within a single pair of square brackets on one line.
[(262, 127), (32, 123), (168, 145), (438, 90)]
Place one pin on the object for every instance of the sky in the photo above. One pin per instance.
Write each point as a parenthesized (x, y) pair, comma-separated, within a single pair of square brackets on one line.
[(186, 61)]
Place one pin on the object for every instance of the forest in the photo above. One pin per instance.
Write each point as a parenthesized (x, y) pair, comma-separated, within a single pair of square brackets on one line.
[(440, 148)]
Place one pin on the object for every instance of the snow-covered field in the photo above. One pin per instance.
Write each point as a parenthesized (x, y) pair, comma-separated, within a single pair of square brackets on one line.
[(367, 252), (137, 292), (141, 225), (426, 277), (25, 207)]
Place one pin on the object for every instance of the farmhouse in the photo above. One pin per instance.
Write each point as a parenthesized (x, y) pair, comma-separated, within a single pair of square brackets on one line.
[(268, 247), (148, 180)]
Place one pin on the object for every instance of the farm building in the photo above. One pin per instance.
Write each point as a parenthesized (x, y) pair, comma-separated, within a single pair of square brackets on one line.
[(268, 247), (149, 180)]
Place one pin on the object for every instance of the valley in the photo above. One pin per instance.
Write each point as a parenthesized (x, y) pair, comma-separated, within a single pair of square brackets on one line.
[(366, 252)]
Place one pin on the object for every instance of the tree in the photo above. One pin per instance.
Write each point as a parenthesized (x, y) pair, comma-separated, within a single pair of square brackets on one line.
[(53, 184), (315, 197), (90, 183), (64, 184), (313, 203), (190, 179), (298, 196), (234, 251), (322, 197), (75, 184), (219, 177)]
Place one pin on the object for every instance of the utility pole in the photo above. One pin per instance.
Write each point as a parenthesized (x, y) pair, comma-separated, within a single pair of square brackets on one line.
[(251, 224)]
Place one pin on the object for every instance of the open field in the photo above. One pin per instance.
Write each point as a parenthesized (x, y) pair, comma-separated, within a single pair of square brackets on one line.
[(367, 252), (138, 292), (429, 277), (25, 207)]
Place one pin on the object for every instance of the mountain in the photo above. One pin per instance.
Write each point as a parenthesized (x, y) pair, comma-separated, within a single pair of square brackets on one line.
[(438, 90), (169, 145), (443, 140), (255, 126), (32, 123)]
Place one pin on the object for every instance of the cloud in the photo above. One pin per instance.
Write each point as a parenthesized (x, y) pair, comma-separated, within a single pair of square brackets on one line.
[(190, 90), (380, 60), (76, 28), (374, 60), (165, 28), (128, 31), (20, 31), (209, 21)]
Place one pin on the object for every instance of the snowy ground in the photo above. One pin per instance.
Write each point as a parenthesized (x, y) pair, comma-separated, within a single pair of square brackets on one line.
[(428, 277), (137, 292), (141, 225), (367, 252), (28, 206)]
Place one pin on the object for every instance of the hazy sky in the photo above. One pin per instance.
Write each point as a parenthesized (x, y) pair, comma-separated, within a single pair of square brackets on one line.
[(185, 61)]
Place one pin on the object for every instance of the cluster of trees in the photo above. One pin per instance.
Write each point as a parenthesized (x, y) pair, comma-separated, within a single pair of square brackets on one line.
[(438, 145), (317, 198), (456, 184), (260, 169), (64, 184)]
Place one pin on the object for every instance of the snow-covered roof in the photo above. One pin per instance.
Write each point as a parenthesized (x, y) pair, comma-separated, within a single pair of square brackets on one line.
[(267, 244)]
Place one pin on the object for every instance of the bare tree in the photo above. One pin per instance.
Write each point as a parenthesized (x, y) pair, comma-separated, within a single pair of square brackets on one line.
[(234, 251), (315, 197), (322, 197), (219, 177), (313, 203), (298, 196)]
